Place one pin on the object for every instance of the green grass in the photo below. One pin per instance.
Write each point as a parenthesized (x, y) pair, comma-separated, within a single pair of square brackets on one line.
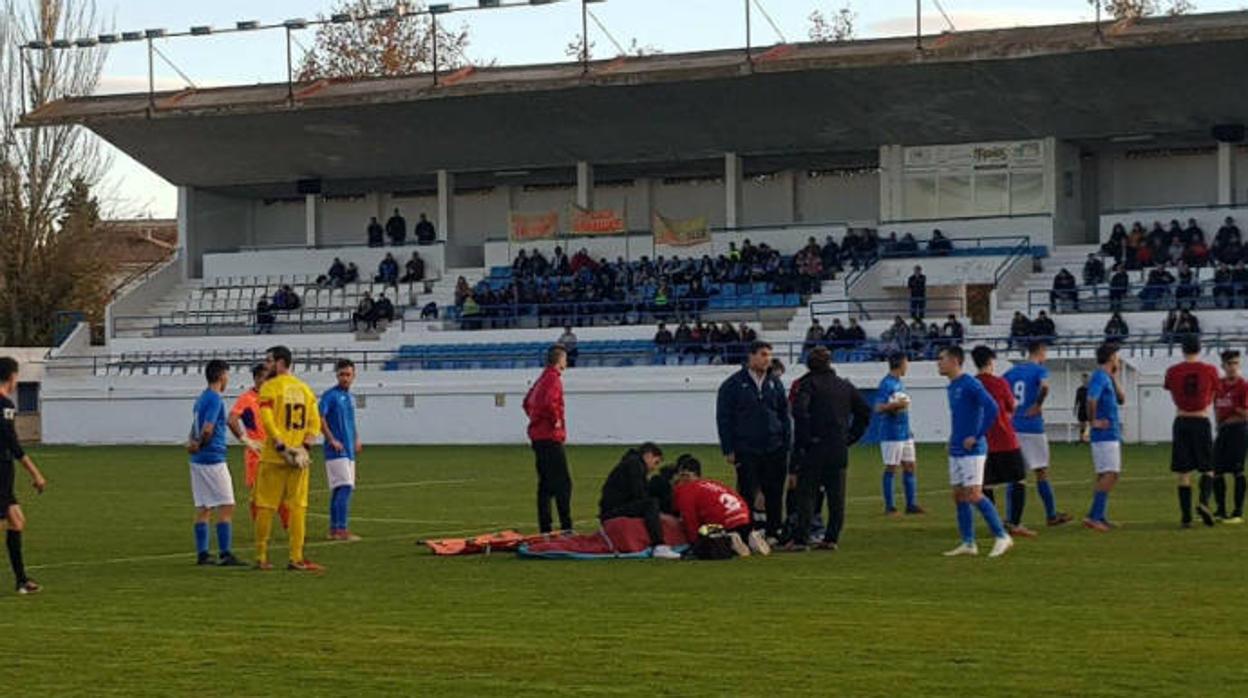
[(1145, 610)]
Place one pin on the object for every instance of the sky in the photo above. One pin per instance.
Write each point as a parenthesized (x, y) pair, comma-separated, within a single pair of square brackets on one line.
[(508, 37)]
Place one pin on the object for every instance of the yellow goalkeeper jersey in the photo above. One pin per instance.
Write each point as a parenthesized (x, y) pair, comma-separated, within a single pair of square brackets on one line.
[(288, 409)]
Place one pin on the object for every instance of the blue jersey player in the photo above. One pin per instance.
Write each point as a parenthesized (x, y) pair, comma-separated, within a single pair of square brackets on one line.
[(973, 412), (892, 407), (1029, 381), (212, 488), (341, 446), (1105, 395)]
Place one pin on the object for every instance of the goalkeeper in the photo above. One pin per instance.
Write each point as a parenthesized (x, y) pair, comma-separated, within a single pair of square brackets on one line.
[(288, 411)]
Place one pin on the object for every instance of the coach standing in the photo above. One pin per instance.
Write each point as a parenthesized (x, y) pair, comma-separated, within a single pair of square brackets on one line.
[(547, 433), (752, 414), (829, 416)]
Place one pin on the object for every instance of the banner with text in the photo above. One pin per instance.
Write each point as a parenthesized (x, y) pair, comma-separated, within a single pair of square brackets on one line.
[(524, 227), (586, 222), (681, 232)]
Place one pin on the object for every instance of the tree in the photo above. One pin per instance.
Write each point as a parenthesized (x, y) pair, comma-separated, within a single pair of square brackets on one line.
[(1135, 9), (840, 26), (576, 49), (49, 259), (395, 45)]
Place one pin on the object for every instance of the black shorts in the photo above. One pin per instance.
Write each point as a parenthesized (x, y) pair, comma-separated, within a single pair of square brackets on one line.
[(1230, 448), (1192, 445), (1004, 467)]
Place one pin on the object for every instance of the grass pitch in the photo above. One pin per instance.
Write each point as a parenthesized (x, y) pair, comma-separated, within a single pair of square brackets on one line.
[(1145, 610)]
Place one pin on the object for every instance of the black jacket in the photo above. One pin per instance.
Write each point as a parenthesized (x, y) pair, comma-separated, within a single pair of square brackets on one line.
[(750, 420), (828, 412), (625, 484)]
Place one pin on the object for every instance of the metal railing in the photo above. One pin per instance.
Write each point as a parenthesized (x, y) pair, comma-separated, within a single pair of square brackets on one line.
[(582, 313), (1001, 244), (870, 308), (1140, 297)]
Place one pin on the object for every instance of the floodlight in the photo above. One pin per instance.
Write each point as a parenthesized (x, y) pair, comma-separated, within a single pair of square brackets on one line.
[(201, 31), (341, 18), (62, 43), (247, 25), (299, 23), (154, 33), (486, 4), (37, 45), (440, 8), (132, 36), (86, 42), (109, 38)]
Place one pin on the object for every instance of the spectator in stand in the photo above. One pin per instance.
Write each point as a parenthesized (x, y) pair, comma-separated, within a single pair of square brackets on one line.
[(365, 313), (830, 255), (1223, 287), (684, 339), (1186, 325), (430, 311), (567, 340), (352, 274), (396, 229), (1020, 330), (810, 270), (1187, 290), (1043, 328), (906, 246), (376, 234), (917, 283), (388, 271), (918, 336), (1093, 271), (285, 299), (1157, 288), (384, 309), (733, 351), (264, 317), (836, 335), (426, 234), (1239, 276), (939, 245), (1119, 286), (335, 277), (663, 339), (414, 270), (855, 334), (582, 260), (1197, 254), (953, 330), (1116, 329), (1065, 292), (1229, 251), (1192, 233), (814, 335), (1176, 251), (1228, 232), (462, 291), (559, 263), (1168, 325), (470, 312), (746, 334), (1116, 245), (898, 335)]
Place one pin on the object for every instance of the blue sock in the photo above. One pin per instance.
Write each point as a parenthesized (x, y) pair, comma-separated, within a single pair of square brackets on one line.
[(225, 537), (889, 502), (344, 506), (991, 517), (333, 510), (910, 482), (1100, 506), (966, 523), (201, 537), (1009, 501), (1046, 495)]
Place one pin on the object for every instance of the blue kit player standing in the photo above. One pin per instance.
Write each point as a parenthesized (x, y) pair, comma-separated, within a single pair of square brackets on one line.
[(1029, 382), (212, 488), (973, 411), (1105, 395), (896, 440), (341, 446)]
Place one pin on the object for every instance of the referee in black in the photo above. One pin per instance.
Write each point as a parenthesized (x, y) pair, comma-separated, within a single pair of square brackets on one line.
[(11, 517)]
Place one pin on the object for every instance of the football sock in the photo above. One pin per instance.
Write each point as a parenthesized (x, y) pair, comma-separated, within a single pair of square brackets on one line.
[(1100, 507), (344, 508), (283, 513), (13, 539), (966, 523), (225, 537), (298, 532), (333, 510), (1185, 502), (1206, 488), (1219, 494), (989, 511), (1241, 487), (910, 482), (1046, 495), (264, 529), (1017, 502), (889, 501), (201, 537)]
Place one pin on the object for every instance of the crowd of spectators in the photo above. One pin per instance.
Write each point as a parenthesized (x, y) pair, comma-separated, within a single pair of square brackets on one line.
[(284, 300), (342, 274), (369, 312), (721, 343), (395, 230), (1025, 330)]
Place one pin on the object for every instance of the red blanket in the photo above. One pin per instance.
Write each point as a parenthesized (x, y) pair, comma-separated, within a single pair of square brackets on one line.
[(622, 536)]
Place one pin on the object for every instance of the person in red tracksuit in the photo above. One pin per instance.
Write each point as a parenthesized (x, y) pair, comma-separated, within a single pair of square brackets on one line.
[(547, 434)]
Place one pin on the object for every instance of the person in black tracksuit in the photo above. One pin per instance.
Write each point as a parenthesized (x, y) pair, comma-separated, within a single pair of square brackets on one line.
[(829, 416), (752, 415), (626, 494)]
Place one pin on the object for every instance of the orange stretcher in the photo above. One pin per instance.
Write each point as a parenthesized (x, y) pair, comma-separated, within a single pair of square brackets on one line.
[(500, 542)]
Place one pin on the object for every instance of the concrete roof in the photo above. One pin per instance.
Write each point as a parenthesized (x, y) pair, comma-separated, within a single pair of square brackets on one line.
[(1171, 76)]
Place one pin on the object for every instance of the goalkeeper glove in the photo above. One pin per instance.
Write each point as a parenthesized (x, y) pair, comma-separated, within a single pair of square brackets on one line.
[(296, 457)]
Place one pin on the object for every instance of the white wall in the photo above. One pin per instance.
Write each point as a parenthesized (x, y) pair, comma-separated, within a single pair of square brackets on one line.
[(854, 198), (316, 261), (1039, 228), (277, 223), (940, 271), (1158, 180), (345, 221), (142, 294)]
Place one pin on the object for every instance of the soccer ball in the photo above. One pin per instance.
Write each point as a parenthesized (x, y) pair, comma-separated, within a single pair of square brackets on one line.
[(900, 397)]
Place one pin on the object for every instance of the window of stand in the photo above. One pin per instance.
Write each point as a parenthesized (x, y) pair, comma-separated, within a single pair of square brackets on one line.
[(974, 181)]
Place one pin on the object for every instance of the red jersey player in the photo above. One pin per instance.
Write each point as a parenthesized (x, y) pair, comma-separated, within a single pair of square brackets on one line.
[(1005, 463), (700, 502), (1192, 384), (1231, 445)]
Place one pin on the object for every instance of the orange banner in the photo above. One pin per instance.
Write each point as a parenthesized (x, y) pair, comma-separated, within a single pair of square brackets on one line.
[(523, 227), (604, 222), (685, 232)]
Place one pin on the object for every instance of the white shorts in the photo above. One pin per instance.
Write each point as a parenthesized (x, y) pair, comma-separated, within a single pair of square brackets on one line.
[(1035, 449), (897, 452), (967, 471), (211, 486), (1107, 456), (340, 472)]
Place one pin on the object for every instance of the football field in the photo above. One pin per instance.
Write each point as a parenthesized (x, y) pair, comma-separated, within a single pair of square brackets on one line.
[(1146, 610)]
